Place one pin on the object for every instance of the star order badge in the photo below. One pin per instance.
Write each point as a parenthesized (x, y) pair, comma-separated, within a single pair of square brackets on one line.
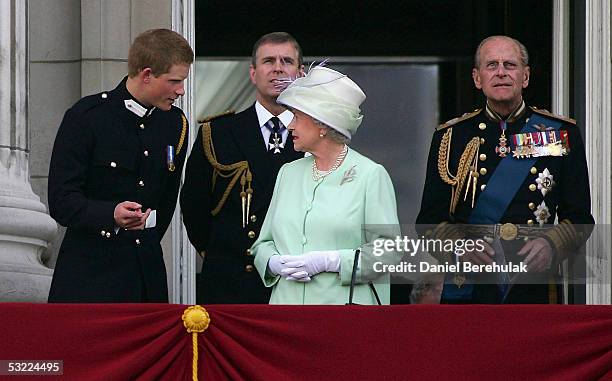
[(545, 181), (277, 144), (502, 149), (542, 214)]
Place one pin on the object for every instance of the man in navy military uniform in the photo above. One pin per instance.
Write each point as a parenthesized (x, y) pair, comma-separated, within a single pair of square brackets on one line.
[(230, 177), (507, 171), (114, 178)]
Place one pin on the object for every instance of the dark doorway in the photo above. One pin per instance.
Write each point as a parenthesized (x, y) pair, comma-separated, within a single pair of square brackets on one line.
[(447, 29)]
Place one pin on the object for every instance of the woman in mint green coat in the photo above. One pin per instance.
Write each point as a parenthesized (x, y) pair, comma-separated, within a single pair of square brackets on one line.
[(326, 205)]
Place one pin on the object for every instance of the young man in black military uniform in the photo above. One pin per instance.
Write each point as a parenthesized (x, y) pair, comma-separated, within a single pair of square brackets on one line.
[(230, 177), (506, 171), (114, 178)]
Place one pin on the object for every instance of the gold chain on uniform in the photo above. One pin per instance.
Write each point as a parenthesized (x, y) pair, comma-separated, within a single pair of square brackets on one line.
[(237, 171), (467, 167)]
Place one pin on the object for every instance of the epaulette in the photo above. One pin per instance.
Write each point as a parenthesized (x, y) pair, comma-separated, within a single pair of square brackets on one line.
[(213, 117), (551, 115), (91, 101), (461, 118)]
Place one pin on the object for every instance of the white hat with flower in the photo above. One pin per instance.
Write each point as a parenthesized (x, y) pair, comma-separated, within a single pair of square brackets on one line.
[(328, 96)]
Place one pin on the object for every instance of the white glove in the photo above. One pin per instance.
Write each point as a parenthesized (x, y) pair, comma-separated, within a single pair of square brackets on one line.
[(284, 266), (312, 263)]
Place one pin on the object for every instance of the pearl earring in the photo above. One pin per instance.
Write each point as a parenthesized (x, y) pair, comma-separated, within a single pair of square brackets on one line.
[(321, 135)]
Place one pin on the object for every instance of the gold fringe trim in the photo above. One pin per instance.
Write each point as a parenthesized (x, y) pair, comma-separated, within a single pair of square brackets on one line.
[(236, 171), (195, 320)]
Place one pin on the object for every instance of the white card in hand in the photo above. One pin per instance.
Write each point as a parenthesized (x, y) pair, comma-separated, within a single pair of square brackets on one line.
[(151, 221)]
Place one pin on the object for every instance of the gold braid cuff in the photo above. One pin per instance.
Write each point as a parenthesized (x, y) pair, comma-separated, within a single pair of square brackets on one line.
[(467, 169), (236, 171), (441, 232), (564, 238)]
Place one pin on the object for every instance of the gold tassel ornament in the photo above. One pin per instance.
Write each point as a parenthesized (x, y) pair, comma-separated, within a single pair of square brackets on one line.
[(195, 320)]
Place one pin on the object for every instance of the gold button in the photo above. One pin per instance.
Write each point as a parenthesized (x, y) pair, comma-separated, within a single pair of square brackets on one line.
[(482, 141), (482, 126), (483, 186), (141, 183), (251, 234), (529, 222), (113, 164), (107, 235), (531, 206), (137, 241), (104, 95), (249, 252), (533, 170), (253, 218), (103, 233), (249, 268), (483, 157), (532, 187), (141, 126), (146, 153), (483, 171)]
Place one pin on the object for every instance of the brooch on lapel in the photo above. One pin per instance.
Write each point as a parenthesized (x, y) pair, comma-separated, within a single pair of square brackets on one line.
[(349, 175)]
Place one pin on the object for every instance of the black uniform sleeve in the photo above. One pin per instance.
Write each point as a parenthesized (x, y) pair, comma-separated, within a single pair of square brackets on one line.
[(196, 195), (574, 208), (171, 190), (435, 202), (68, 174), (575, 198)]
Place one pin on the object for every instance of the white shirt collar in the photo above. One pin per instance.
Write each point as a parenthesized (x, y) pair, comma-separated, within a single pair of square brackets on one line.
[(263, 115), (137, 108)]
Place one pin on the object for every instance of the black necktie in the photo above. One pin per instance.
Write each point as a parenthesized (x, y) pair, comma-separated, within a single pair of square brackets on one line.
[(275, 142)]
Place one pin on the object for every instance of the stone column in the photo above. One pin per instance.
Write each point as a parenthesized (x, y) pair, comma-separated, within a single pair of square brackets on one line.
[(598, 141), (25, 228)]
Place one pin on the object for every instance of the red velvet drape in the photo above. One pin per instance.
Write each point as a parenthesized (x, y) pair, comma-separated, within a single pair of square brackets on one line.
[(244, 342)]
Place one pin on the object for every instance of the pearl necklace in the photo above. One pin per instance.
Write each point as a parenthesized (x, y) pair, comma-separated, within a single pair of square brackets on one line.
[(318, 174)]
